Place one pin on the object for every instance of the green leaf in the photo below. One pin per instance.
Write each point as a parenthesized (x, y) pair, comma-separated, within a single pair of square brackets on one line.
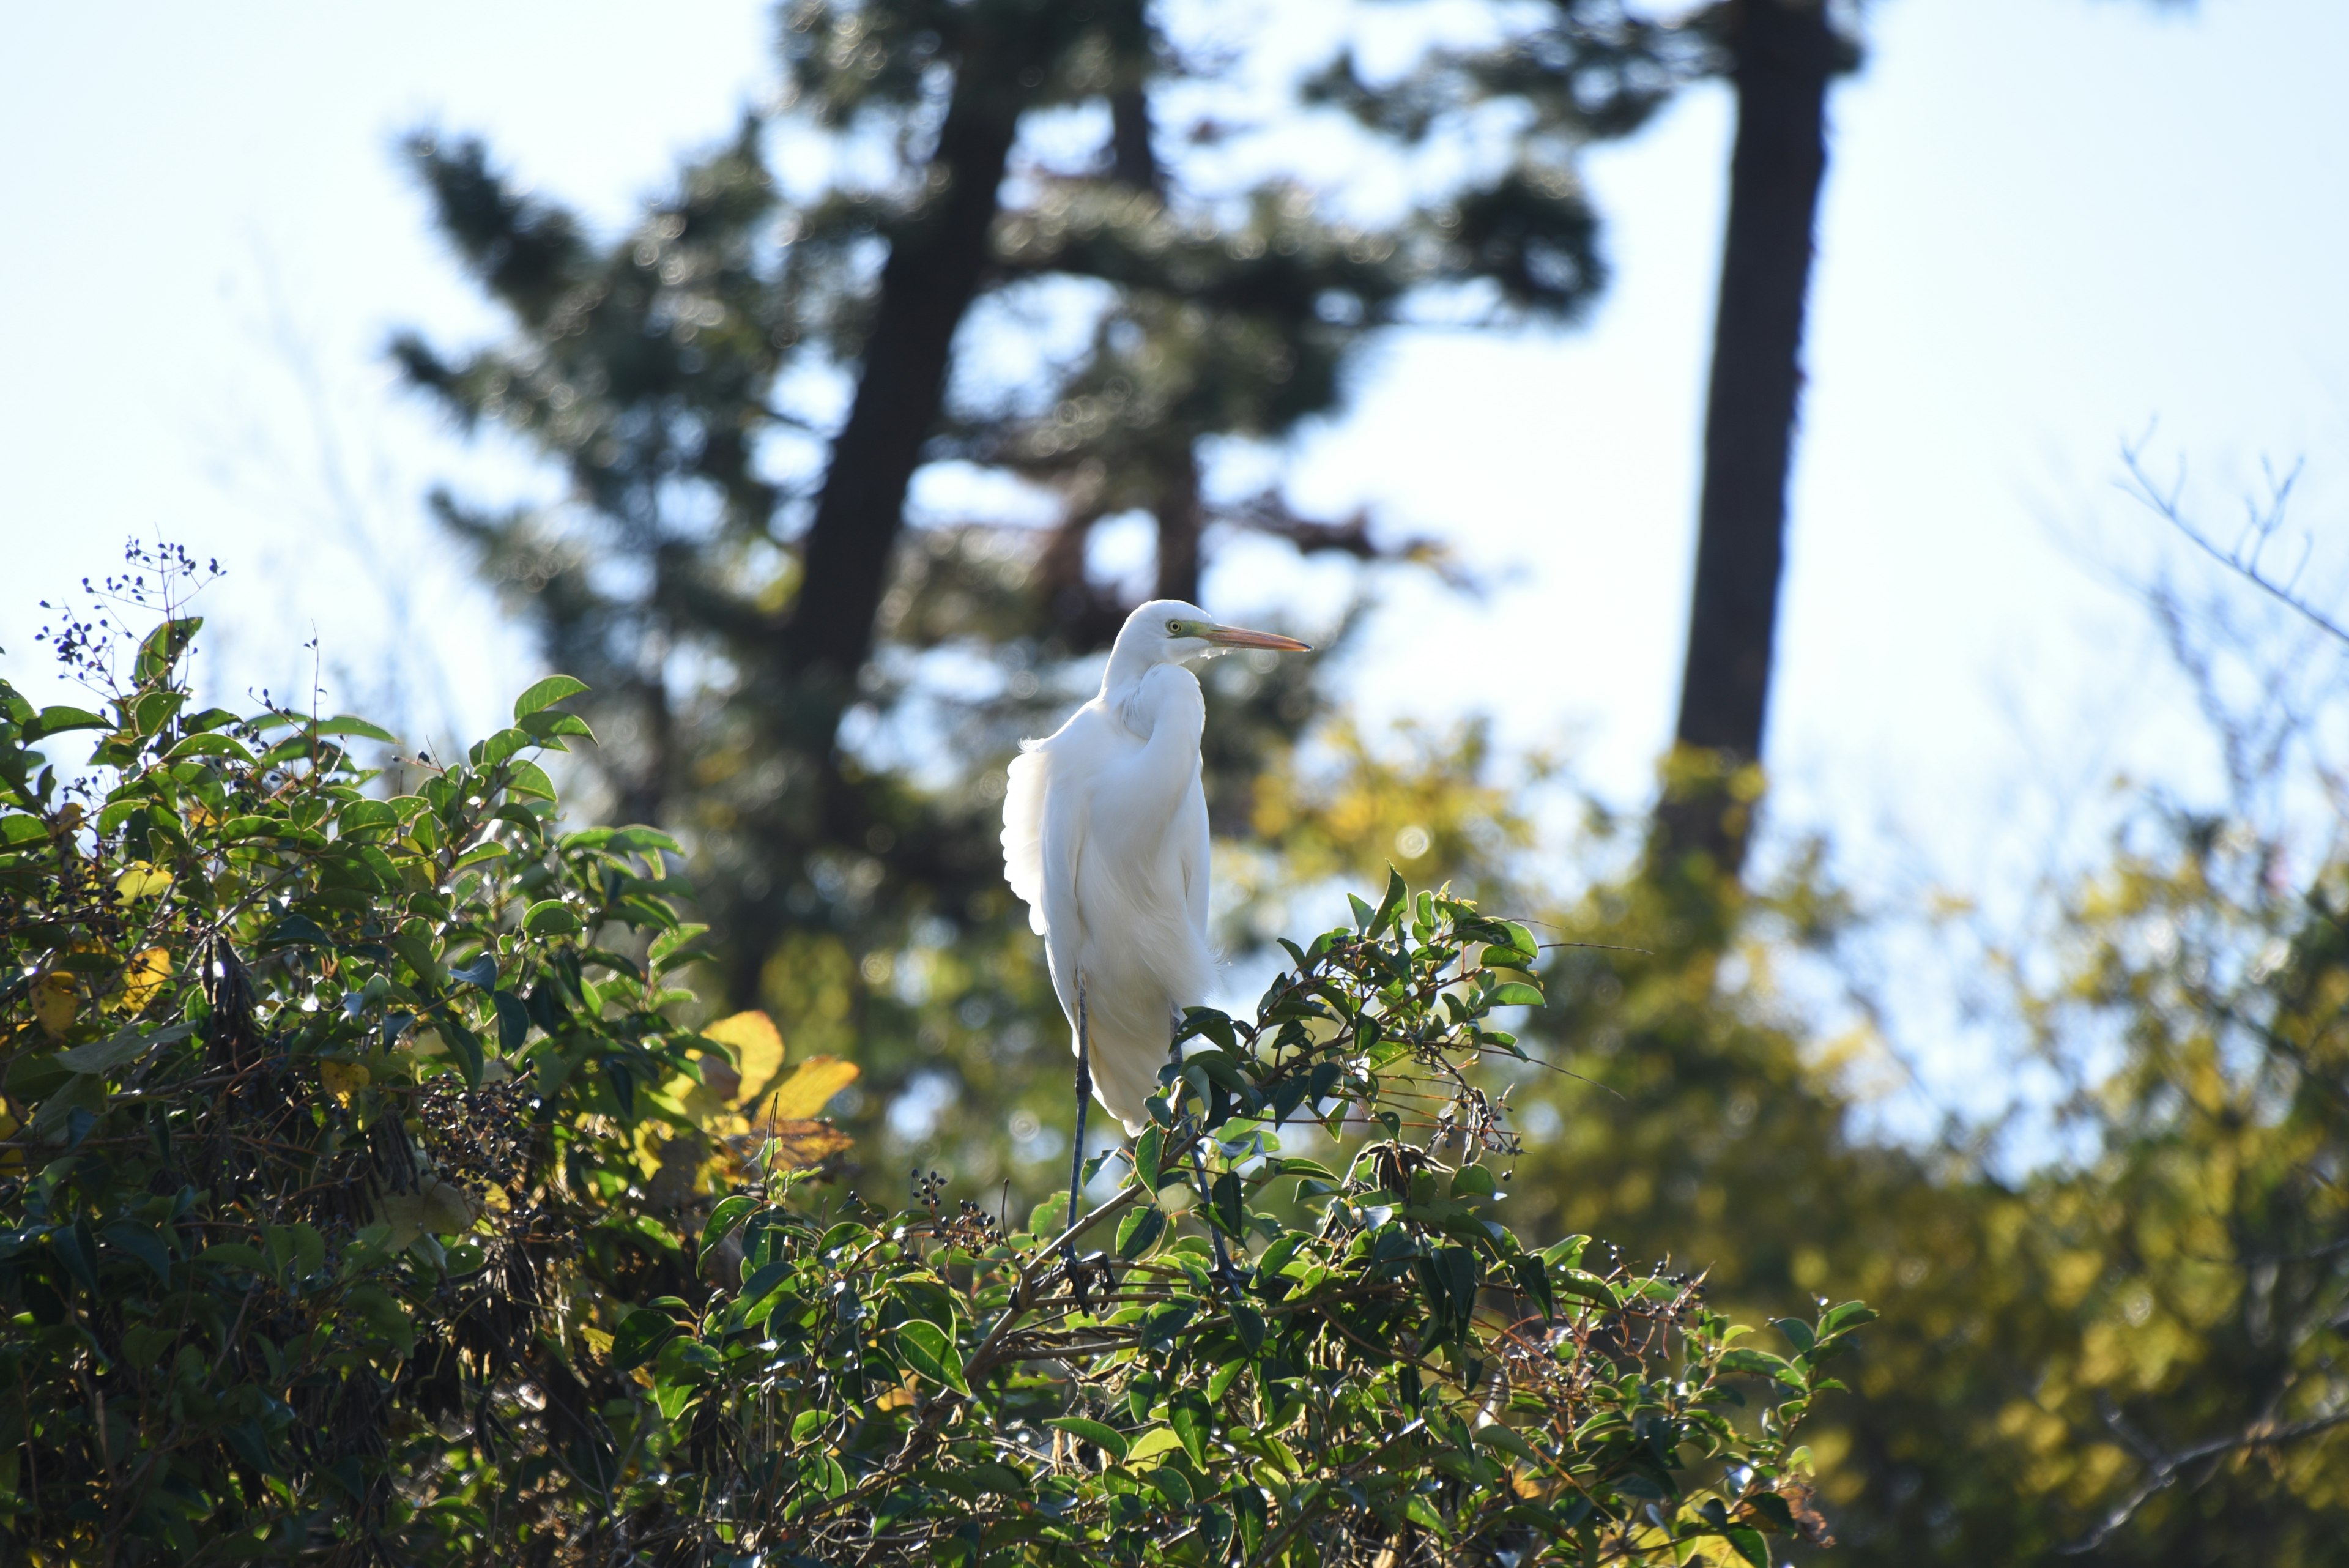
[(1139, 1231), (925, 1349), (1589, 1287), (1750, 1544), (642, 1335), (124, 1048), (1798, 1334), (463, 1043), (1149, 1150), (142, 1244), (1248, 1323), (1389, 905), (724, 1218), (551, 918), (546, 694), (482, 971), (1849, 1315), (1514, 993), (1362, 913), (78, 1250), (351, 724), (1474, 1181), (164, 645), (1509, 1442), (1533, 1278), (668, 944), (1108, 1439), (1276, 1257), (807, 1424), (1761, 1363), (502, 745), (365, 815), (529, 779), (546, 727), (1193, 1422), (208, 746), (57, 721)]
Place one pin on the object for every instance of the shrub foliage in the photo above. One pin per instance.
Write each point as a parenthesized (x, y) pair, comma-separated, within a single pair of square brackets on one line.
[(369, 1197)]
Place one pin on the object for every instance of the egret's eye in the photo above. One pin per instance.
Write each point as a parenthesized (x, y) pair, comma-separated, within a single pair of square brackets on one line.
[(1174, 628)]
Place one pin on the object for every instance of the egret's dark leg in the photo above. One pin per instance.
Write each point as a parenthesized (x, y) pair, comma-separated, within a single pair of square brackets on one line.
[(1224, 1272), (1084, 1103)]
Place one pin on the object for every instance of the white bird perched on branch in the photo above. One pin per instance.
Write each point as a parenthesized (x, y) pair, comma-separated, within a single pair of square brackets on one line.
[(1105, 838)]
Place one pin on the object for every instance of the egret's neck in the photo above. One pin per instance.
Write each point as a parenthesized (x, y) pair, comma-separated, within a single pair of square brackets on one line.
[(1127, 666)]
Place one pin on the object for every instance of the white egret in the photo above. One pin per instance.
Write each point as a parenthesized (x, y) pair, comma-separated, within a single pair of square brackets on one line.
[(1106, 839)]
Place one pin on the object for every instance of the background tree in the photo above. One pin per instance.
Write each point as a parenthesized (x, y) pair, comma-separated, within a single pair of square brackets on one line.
[(1781, 55), (817, 699), (2133, 1348)]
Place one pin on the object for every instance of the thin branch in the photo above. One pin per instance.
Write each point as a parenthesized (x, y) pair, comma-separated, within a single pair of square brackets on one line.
[(2259, 529), (2164, 1469)]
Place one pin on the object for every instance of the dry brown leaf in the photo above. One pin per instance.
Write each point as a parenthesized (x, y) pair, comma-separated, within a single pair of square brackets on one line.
[(758, 1047), (799, 1145)]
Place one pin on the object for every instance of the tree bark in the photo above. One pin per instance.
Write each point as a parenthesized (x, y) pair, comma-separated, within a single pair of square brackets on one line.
[(935, 261), (1134, 160), (1783, 54)]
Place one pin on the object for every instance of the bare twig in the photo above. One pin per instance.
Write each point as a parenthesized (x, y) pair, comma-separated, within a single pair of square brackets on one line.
[(2262, 522)]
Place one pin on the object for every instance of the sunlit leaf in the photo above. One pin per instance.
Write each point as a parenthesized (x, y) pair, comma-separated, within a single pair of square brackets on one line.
[(544, 693), (147, 972), (1108, 1439), (141, 880), (758, 1047), (342, 1079), (810, 1087), (56, 999), (927, 1348)]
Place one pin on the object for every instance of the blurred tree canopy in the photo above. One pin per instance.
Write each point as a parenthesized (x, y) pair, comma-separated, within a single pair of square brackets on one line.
[(960, 252)]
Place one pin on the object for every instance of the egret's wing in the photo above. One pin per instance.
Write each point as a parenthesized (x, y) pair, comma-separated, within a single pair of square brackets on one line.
[(1023, 830), (1191, 848)]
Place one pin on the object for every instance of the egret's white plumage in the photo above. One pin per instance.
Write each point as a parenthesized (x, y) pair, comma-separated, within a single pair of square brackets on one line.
[(1105, 838)]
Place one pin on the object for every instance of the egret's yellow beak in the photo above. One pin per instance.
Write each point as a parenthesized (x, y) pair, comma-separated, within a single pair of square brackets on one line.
[(1240, 636)]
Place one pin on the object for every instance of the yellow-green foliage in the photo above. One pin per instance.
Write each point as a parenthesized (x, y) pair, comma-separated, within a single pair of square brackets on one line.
[(2045, 1337)]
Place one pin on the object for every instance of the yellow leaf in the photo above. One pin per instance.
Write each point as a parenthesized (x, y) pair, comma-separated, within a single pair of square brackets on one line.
[(343, 1079), (811, 1088), (141, 880), (758, 1048), (142, 977), (54, 1002)]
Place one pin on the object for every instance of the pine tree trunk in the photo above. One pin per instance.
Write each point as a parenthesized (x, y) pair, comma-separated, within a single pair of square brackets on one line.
[(935, 264), (936, 259), (1784, 54), (1181, 519)]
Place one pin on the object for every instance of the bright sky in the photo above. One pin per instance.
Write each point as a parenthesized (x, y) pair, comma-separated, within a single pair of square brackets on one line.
[(2049, 224)]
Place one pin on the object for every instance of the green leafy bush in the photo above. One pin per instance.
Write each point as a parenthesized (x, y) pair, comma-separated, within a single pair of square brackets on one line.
[(369, 1197)]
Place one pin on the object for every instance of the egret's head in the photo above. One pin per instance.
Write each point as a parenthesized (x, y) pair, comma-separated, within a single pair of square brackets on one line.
[(1167, 631)]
